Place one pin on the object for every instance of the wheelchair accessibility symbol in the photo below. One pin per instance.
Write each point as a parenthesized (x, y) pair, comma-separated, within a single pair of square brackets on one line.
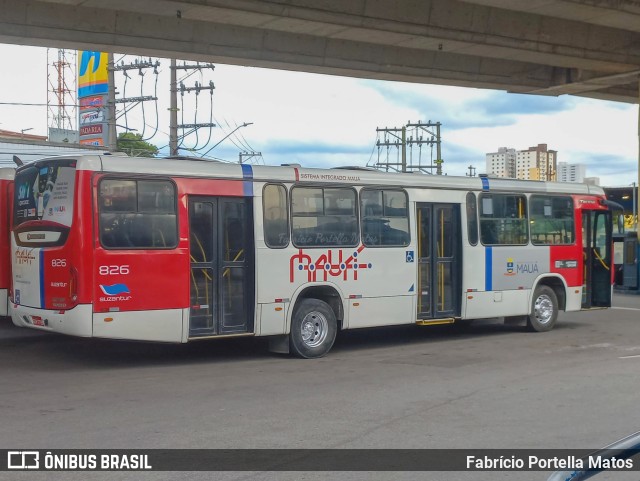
[(409, 256)]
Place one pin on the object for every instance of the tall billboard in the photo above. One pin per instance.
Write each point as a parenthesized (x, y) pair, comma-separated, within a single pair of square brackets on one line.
[(93, 89)]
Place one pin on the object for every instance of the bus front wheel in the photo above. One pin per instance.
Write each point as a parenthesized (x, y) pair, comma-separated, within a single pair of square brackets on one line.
[(544, 310), (313, 329)]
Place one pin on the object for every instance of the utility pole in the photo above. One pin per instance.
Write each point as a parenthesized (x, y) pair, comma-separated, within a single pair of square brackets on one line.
[(472, 171), (245, 156), (137, 65), (173, 104), (173, 110), (413, 136), (392, 139), (111, 105)]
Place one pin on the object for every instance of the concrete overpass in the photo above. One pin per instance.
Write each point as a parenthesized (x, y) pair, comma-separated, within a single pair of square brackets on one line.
[(589, 48)]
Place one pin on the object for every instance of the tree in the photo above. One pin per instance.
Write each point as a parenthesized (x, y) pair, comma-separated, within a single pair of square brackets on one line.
[(133, 145)]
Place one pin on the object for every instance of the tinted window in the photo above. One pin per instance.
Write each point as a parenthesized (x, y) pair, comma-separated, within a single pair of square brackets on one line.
[(43, 202), (137, 214), (385, 217), (472, 219), (324, 216), (275, 219)]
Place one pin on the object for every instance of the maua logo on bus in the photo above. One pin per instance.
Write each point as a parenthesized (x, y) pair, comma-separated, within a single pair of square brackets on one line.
[(525, 267), (59, 209), (24, 256), (327, 264)]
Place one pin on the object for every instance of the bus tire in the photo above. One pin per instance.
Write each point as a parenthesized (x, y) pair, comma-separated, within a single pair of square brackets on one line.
[(313, 329), (544, 310)]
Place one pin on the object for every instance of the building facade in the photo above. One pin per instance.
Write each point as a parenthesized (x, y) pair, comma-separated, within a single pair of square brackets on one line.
[(502, 163), (571, 172), (534, 163)]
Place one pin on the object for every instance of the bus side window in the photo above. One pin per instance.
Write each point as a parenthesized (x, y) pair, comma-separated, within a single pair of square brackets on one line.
[(137, 214), (324, 216), (385, 217), (472, 219), (275, 216), (503, 219)]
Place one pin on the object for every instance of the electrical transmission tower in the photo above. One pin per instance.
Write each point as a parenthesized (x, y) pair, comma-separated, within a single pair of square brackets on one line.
[(61, 89), (407, 143)]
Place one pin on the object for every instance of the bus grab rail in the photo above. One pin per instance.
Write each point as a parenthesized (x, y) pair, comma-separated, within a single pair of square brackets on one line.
[(622, 449)]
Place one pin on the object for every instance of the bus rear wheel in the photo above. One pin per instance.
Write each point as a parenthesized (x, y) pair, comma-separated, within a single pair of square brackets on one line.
[(544, 310), (313, 329)]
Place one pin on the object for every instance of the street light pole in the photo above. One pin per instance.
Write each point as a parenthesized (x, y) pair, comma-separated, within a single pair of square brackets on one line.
[(227, 136)]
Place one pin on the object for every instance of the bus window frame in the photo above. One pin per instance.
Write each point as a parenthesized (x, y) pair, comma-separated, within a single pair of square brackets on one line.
[(476, 217), (361, 219), (573, 219), (137, 179), (483, 195), (288, 215), (323, 187)]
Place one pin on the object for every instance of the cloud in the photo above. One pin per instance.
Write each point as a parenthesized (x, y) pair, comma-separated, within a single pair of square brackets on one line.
[(459, 108)]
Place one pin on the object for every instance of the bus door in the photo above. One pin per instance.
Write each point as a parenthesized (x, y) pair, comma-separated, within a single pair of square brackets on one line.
[(221, 252), (630, 261), (438, 260), (597, 246)]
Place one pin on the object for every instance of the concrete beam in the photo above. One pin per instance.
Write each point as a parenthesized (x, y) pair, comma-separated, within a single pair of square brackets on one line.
[(618, 14), (470, 43)]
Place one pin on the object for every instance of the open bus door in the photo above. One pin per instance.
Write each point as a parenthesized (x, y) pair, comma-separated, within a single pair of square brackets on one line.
[(630, 261), (598, 258)]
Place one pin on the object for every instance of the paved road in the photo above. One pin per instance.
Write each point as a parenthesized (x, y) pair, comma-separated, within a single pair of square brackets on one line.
[(487, 386)]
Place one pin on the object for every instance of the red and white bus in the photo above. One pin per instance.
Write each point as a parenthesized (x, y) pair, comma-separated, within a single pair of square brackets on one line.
[(178, 250), (6, 198)]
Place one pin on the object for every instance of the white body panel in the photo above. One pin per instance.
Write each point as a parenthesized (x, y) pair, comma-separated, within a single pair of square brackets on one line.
[(381, 311), (161, 325), (479, 305), (271, 318), (27, 274)]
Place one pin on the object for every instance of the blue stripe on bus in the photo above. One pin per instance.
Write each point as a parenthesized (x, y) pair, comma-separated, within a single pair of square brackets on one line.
[(488, 268), (41, 268), (485, 183), (247, 175)]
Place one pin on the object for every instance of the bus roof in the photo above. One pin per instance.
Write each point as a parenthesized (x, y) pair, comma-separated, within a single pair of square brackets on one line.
[(302, 175)]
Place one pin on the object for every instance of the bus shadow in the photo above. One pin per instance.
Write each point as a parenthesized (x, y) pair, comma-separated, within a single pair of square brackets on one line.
[(78, 353)]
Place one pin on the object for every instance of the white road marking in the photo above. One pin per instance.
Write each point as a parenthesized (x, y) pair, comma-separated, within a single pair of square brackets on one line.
[(627, 308), (629, 357)]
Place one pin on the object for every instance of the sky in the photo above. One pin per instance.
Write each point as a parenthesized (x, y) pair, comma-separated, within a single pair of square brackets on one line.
[(328, 121)]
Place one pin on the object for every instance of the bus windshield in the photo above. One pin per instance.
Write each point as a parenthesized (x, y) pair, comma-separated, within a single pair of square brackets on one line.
[(43, 203)]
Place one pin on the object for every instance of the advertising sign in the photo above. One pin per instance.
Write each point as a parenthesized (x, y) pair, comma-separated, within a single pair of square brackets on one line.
[(93, 89), (92, 73), (91, 129), (95, 141)]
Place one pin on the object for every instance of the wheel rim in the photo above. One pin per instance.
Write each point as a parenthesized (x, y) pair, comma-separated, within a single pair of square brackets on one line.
[(314, 329), (543, 309)]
